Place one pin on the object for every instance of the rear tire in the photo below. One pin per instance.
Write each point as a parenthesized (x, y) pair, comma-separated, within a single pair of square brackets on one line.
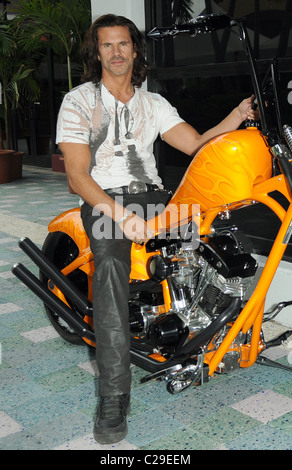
[(61, 250)]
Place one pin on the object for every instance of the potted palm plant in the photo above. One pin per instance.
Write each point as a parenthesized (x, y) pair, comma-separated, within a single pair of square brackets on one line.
[(17, 87), (62, 25)]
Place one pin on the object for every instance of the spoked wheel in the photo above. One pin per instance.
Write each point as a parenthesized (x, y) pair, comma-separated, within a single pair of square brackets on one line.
[(62, 250)]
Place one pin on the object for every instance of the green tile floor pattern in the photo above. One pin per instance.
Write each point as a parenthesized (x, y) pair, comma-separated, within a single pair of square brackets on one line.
[(48, 397)]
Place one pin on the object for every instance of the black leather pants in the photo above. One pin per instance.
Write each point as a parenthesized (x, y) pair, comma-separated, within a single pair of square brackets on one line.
[(112, 259)]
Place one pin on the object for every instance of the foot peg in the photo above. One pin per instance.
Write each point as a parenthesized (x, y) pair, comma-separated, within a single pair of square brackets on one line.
[(179, 377), (162, 374)]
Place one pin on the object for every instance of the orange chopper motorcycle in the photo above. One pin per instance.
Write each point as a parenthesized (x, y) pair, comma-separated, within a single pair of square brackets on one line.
[(189, 311)]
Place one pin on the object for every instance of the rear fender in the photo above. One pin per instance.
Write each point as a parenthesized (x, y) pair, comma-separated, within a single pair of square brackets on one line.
[(70, 222)]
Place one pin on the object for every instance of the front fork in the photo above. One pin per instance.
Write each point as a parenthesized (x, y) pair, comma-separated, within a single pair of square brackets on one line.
[(251, 317)]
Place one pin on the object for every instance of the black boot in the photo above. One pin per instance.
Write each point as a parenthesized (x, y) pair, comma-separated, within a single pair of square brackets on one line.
[(111, 424)]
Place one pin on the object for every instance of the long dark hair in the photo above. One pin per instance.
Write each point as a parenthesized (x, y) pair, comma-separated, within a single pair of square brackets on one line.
[(89, 50)]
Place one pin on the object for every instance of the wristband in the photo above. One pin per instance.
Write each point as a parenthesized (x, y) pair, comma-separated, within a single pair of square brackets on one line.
[(125, 216)]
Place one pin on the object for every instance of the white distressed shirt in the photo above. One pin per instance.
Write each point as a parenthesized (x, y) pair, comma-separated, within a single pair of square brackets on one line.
[(120, 136)]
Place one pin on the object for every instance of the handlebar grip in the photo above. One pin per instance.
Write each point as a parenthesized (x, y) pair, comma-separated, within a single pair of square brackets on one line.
[(200, 24), (254, 105)]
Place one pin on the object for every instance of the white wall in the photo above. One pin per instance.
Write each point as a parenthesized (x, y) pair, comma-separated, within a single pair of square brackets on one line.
[(132, 9)]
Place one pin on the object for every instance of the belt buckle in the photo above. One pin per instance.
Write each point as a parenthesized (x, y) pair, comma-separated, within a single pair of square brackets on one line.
[(136, 187)]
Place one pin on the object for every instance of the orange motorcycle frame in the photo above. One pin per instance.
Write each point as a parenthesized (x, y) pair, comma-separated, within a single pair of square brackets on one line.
[(232, 171)]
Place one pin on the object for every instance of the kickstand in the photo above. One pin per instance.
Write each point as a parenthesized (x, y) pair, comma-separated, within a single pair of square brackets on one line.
[(279, 340), (268, 362)]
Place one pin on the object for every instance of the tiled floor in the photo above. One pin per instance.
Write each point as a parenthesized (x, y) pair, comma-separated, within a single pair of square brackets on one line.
[(48, 398)]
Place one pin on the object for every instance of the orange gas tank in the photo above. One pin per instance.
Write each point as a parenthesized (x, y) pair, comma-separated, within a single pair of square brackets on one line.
[(225, 170)]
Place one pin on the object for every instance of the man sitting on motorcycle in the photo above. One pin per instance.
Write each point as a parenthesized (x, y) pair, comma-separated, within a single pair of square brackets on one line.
[(106, 130)]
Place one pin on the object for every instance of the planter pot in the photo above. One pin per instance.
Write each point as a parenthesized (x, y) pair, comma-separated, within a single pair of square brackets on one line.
[(16, 161), (58, 162), (6, 166)]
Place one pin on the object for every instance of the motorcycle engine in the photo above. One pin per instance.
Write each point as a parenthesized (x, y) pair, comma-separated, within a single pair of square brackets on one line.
[(201, 282)]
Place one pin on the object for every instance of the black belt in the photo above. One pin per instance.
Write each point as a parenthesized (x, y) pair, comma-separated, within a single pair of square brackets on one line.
[(135, 187)]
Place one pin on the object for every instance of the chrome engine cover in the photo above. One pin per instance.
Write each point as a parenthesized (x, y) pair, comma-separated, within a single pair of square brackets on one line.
[(201, 283)]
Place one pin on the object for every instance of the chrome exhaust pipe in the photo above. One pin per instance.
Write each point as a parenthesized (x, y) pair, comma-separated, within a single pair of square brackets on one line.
[(72, 318), (67, 287)]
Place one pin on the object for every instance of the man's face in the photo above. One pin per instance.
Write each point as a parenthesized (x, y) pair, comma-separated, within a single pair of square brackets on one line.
[(116, 50)]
